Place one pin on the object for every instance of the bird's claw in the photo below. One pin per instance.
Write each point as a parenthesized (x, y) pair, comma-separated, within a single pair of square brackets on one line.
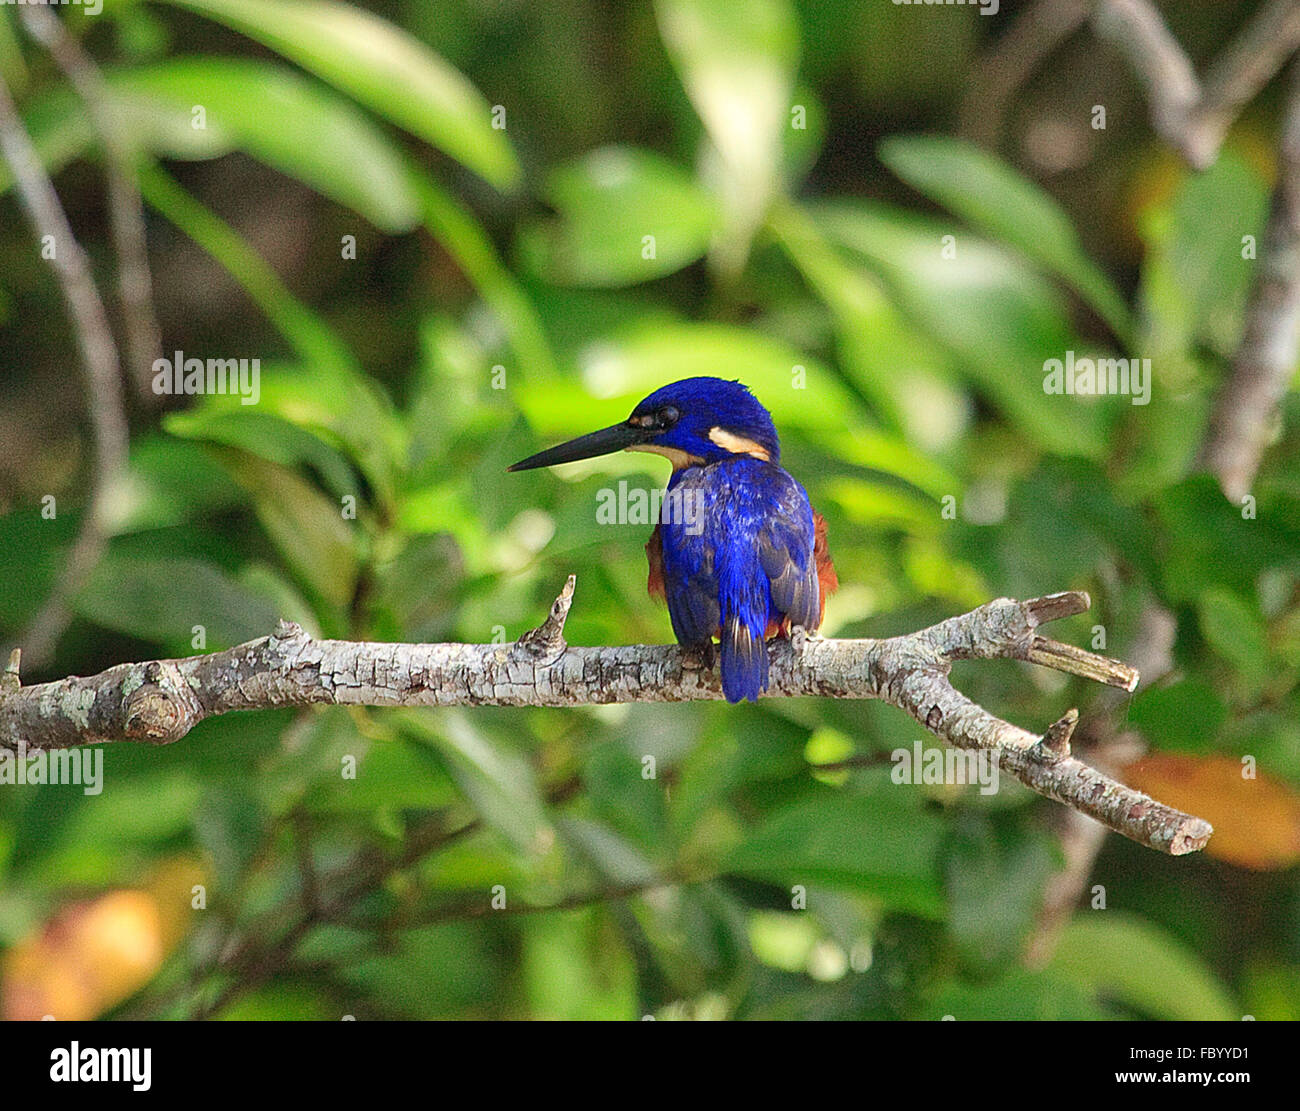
[(801, 638), (698, 657)]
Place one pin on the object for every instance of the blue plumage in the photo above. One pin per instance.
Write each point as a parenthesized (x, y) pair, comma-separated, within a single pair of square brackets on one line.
[(748, 569), (739, 553)]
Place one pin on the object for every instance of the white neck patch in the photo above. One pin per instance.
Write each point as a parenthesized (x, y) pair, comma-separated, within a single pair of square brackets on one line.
[(738, 445)]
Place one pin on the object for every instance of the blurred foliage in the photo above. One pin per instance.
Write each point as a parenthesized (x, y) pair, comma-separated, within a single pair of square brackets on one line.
[(500, 167)]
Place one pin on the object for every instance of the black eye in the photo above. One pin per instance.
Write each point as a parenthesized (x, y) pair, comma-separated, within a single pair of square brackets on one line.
[(668, 416)]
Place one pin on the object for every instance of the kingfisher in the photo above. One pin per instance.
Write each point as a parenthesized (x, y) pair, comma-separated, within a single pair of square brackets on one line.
[(738, 554)]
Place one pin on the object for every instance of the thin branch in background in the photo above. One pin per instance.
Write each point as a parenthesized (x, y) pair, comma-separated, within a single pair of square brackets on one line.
[(268, 945), (306, 858), (1196, 122), (1034, 35), (125, 205), (468, 911), (1192, 117), (1081, 839), (1173, 90), (1246, 411), (103, 376), (1249, 63)]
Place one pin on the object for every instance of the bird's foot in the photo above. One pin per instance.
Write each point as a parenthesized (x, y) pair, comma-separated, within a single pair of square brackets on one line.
[(801, 638), (698, 657)]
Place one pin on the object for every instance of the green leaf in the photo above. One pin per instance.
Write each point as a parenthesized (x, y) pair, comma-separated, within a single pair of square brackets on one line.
[(620, 369), (13, 69), (996, 888), (1195, 278), (293, 125), (881, 505), (161, 600), (1000, 319), (576, 969), (498, 782), (608, 201), (330, 392), (268, 436), (309, 773), (394, 774), (380, 66), (874, 339), (172, 482), (996, 200), (280, 1002), (453, 225), (105, 835), (1272, 992), (737, 60), (306, 527), (1203, 530), (60, 131), (881, 843), (420, 587), (34, 548), (310, 336), (616, 858), (1117, 955), (432, 972), (1235, 631), (1185, 716), (1019, 995), (622, 796), (891, 455), (228, 825)]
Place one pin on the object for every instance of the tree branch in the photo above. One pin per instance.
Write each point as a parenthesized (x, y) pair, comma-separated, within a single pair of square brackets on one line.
[(1245, 412), (1108, 750), (125, 206), (1194, 118), (1191, 117), (996, 76), (159, 701), (99, 361)]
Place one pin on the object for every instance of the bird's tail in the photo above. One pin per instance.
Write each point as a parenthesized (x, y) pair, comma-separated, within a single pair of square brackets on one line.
[(744, 661)]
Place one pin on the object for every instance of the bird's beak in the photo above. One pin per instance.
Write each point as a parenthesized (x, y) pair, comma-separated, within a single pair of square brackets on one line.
[(615, 438)]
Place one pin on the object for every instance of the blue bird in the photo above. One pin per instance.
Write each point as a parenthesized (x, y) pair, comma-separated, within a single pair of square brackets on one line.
[(738, 553)]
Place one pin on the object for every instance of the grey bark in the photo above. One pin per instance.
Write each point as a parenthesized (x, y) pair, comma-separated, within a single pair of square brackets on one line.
[(160, 701)]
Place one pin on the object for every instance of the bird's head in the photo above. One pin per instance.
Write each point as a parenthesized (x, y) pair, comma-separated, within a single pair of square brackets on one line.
[(691, 422)]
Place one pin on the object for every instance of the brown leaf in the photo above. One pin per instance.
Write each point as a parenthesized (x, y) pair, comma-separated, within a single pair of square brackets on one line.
[(1256, 820)]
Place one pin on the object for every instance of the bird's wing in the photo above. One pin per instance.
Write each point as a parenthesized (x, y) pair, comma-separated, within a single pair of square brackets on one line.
[(786, 544), (687, 565), (693, 603)]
